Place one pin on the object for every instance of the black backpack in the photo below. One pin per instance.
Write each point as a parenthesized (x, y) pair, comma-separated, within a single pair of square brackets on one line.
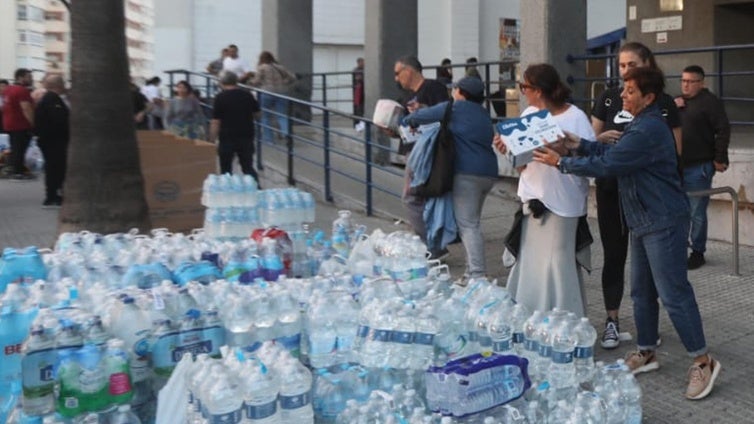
[(440, 179)]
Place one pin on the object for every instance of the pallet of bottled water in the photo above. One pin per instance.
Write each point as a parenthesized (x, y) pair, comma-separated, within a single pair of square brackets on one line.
[(475, 383)]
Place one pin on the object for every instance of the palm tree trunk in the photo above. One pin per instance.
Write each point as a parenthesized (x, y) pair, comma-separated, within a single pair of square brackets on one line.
[(104, 190)]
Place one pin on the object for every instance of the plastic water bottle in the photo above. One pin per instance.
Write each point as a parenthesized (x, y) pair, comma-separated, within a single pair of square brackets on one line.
[(500, 331), (531, 344), (562, 373), (583, 354), (519, 315), (295, 394), (134, 328), (423, 354), (322, 336), (38, 382), (92, 379), (213, 333), (343, 225), (69, 397), (124, 415), (630, 393), (346, 328), (164, 341), (118, 372), (260, 394), (221, 397)]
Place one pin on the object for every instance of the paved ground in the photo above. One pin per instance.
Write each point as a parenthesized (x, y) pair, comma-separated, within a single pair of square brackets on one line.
[(726, 301)]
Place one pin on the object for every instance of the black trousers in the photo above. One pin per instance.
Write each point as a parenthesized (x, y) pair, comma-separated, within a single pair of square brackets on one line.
[(19, 143), (614, 235), (55, 153), (244, 148)]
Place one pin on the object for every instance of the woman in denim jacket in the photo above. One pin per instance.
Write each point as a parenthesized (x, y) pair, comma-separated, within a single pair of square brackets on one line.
[(657, 213)]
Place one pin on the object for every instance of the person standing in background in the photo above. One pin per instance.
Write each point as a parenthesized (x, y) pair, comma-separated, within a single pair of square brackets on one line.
[(445, 73), (235, 64), (18, 120), (52, 129), (155, 108), (216, 66), (232, 125), (706, 135), (183, 113), (358, 93), (275, 78), (420, 92), (608, 121), (3, 86)]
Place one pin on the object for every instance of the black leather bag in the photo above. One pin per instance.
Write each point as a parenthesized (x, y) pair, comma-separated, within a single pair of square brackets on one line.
[(440, 179)]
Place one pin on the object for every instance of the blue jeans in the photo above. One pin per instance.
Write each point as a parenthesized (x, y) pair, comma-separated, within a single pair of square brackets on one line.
[(273, 107), (469, 192), (658, 269), (698, 177)]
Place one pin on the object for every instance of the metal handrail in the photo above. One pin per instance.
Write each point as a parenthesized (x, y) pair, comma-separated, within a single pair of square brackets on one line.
[(734, 218), (326, 114)]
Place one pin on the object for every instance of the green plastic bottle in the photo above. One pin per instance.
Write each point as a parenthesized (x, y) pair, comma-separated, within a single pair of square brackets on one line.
[(118, 371), (69, 397)]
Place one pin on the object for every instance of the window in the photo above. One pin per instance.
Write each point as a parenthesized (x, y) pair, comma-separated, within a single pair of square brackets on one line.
[(21, 12)]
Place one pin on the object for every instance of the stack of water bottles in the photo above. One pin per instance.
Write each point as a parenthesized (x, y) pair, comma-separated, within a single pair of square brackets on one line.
[(231, 202), (270, 387), (286, 208)]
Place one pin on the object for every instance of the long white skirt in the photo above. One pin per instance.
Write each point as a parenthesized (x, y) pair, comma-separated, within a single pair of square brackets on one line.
[(546, 274)]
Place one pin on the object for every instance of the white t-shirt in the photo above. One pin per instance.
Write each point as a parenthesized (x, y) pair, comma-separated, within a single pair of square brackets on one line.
[(238, 66), (151, 92), (563, 194)]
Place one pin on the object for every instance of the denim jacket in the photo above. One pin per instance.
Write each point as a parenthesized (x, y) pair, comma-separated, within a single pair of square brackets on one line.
[(644, 161)]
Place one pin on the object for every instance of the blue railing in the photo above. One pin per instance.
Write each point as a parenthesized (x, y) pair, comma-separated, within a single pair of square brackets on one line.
[(311, 142), (721, 74)]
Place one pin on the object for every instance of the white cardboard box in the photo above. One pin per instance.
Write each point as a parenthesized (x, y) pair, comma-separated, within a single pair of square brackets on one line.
[(388, 114), (525, 134)]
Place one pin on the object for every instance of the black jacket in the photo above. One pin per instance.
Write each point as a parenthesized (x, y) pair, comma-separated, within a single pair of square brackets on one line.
[(706, 130), (51, 119)]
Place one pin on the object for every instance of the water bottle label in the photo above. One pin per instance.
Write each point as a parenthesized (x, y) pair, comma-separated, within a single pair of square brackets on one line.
[(162, 356), (120, 384), (215, 335), (363, 331), (37, 373), (259, 412), (204, 346), (252, 347), (402, 337), (92, 381), (545, 351), (404, 275), (562, 357), (485, 340), (419, 272), (531, 345), (296, 401), (344, 343), (425, 339), (71, 402), (473, 337), (159, 302), (379, 335), (583, 352), (518, 338), (501, 346), (234, 417), (290, 343)]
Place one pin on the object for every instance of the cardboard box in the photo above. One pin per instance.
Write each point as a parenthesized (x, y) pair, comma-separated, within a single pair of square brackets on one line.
[(174, 170), (525, 134)]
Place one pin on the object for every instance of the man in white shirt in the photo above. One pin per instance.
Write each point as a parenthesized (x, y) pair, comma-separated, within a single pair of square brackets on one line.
[(235, 64)]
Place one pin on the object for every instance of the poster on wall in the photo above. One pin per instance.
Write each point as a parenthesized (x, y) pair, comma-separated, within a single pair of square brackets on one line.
[(510, 39)]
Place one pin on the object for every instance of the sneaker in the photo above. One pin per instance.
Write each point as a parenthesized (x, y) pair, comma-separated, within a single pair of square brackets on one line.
[(611, 334), (701, 378), (52, 204), (439, 254), (642, 361), (696, 260)]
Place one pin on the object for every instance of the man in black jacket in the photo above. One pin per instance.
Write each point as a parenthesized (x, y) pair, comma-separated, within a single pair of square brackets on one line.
[(706, 134), (52, 130)]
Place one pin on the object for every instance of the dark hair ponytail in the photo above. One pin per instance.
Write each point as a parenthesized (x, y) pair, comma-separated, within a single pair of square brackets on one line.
[(545, 77)]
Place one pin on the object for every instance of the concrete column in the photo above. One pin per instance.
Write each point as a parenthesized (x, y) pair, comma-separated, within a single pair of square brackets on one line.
[(287, 33), (550, 30), (391, 32)]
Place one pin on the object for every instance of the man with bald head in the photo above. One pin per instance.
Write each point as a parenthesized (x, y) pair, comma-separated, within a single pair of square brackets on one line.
[(51, 128)]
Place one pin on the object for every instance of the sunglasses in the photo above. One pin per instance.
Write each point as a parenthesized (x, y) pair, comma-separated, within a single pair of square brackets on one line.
[(524, 86)]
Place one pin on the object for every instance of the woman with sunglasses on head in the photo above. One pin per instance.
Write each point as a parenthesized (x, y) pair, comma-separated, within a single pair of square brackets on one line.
[(656, 210), (608, 120), (546, 273)]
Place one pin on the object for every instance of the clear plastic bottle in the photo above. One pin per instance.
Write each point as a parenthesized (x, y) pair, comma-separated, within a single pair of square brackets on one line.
[(562, 373), (295, 394), (124, 415), (531, 344), (118, 373), (164, 341), (134, 328), (213, 332), (519, 315), (38, 381), (583, 354), (630, 393), (221, 397), (92, 379), (500, 331), (260, 394)]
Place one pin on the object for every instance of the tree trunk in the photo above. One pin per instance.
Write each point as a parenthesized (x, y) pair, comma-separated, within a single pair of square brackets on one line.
[(104, 189)]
